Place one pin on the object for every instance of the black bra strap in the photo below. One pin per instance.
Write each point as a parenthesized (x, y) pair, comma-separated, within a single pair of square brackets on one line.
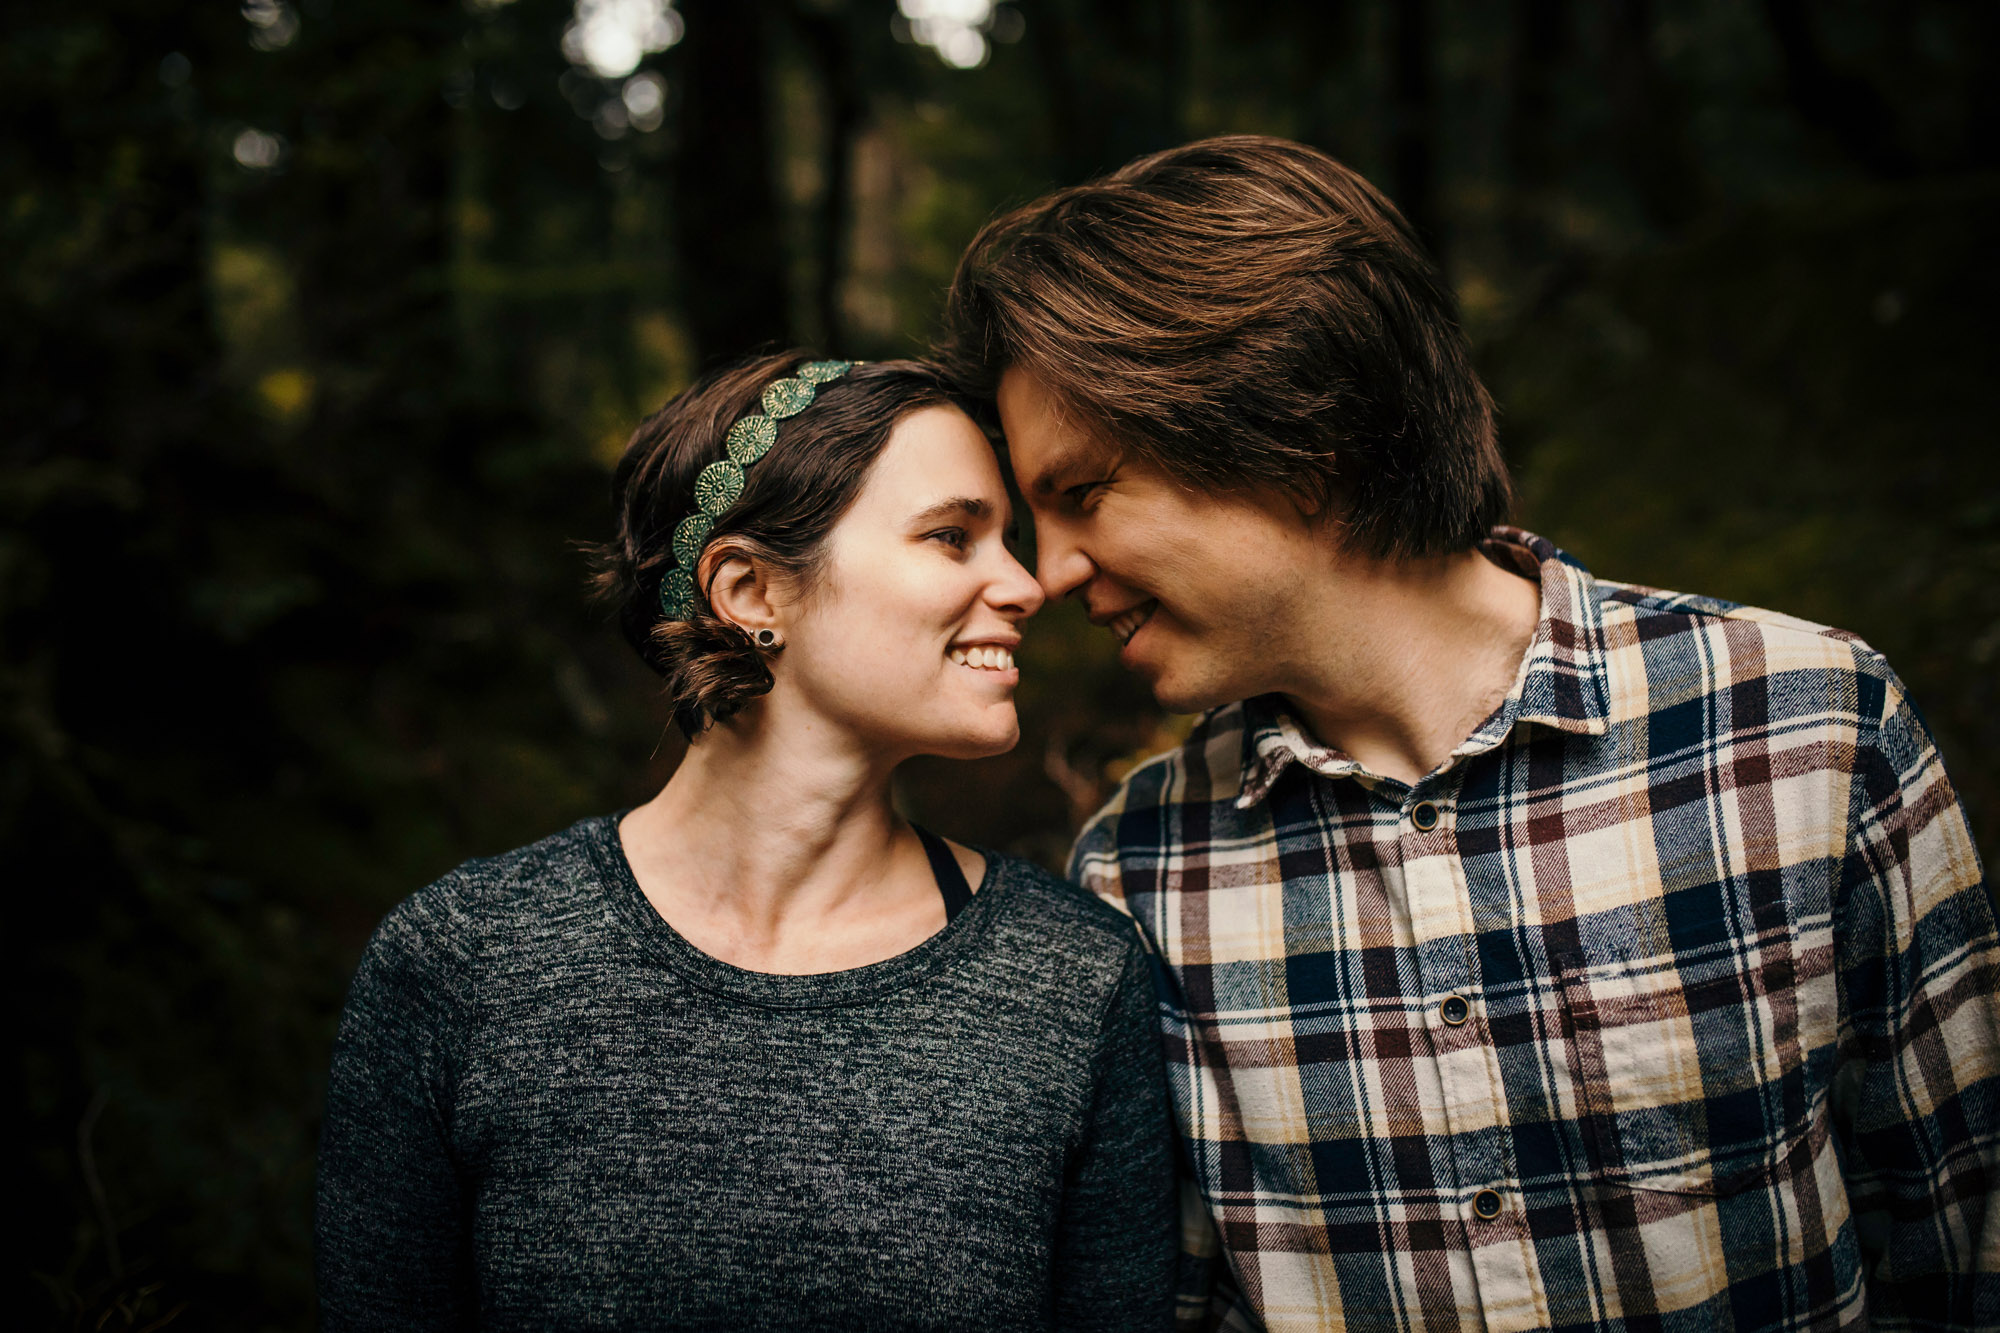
[(950, 879)]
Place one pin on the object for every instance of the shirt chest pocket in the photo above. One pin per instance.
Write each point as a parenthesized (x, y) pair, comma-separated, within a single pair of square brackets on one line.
[(1689, 1076)]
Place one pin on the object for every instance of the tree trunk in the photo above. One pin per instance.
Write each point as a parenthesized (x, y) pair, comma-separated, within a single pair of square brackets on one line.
[(366, 208), (1651, 121), (1540, 38), (1113, 74), (832, 50), (732, 241), (1849, 111), (1412, 153), (1321, 57)]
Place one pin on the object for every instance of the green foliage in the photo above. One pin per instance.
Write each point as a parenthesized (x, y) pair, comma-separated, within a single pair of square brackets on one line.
[(299, 454)]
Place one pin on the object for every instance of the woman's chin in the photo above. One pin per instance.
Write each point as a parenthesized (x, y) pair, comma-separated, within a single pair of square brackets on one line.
[(976, 742)]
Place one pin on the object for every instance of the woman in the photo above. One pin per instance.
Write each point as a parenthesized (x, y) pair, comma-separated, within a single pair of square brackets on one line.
[(756, 1054)]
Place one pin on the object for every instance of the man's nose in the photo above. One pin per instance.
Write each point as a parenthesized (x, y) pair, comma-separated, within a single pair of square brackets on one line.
[(1061, 565)]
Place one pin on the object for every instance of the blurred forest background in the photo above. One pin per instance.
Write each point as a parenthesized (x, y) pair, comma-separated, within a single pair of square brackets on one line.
[(324, 321)]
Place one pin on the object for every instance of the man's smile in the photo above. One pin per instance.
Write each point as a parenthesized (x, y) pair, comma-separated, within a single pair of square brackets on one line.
[(1127, 623)]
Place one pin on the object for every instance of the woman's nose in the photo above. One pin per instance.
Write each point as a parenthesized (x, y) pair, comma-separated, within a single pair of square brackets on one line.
[(1016, 589)]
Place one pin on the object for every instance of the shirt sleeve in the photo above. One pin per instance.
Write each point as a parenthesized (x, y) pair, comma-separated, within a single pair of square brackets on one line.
[(1204, 1292), (391, 1229), (1918, 1092), (1115, 1250)]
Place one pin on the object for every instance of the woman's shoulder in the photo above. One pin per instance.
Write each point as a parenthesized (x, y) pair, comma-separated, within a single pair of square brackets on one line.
[(1062, 915), (546, 887), (1063, 952)]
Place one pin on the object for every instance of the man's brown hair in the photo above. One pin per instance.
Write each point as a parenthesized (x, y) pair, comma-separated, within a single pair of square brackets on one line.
[(1245, 312)]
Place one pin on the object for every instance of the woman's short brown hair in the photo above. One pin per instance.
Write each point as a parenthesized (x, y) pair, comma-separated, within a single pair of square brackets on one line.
[(1245, 313), (791, 499)]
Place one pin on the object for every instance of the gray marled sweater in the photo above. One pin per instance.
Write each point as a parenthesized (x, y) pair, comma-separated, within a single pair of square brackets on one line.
[(548, 1110)]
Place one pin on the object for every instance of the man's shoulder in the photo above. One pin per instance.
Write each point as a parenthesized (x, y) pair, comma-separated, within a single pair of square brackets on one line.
[(1205, 769), (1739, 641), (1206, 766)]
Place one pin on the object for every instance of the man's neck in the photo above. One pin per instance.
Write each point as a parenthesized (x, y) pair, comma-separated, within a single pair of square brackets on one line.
[(1427, 651)]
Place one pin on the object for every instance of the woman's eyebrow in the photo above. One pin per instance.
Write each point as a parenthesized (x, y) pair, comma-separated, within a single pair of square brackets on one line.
[(965, 506)]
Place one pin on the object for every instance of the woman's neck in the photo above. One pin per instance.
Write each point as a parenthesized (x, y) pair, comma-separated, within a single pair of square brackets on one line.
[(769, 835)]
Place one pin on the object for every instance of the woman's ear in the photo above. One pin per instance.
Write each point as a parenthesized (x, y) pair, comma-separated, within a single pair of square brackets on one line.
[(739, 587)]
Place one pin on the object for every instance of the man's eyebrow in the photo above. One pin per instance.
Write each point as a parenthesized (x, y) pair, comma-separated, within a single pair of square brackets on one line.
[(1068, 459), (966, 506)]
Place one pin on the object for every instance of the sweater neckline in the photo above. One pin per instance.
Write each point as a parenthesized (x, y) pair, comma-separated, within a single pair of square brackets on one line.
[(773, 990)]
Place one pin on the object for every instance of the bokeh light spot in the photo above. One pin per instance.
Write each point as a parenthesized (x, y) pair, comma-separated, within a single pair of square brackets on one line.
[(257, 150), (955, 29), (611, 37), (645, 98), (273, 23), (286, 394)]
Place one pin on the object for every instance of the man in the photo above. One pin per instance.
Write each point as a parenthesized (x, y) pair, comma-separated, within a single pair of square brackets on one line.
[(1538, 952)]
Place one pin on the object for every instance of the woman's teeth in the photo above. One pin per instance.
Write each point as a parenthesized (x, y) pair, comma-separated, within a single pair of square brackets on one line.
[(1128, 624), (983, 658)]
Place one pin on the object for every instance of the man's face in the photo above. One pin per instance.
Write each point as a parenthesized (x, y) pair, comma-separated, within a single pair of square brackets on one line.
[(1201, 589)]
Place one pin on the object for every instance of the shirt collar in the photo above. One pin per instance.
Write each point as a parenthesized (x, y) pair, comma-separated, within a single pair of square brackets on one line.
[(1563, 682)]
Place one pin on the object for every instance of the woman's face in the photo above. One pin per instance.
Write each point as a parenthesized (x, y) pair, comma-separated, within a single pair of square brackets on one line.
[(907, 639)]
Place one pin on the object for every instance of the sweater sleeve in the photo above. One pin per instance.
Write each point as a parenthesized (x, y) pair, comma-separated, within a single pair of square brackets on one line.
[(1205, 1293), (391, 1230), (1118, 1241)]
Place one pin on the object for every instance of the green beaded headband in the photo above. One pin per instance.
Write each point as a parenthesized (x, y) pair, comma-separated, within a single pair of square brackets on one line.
[(718, 484)]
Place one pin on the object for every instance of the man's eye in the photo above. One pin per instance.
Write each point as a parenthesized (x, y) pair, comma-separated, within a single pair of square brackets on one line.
[(1082, 491)]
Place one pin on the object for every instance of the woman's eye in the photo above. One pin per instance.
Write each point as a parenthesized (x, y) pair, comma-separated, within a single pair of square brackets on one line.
[(955, 538)]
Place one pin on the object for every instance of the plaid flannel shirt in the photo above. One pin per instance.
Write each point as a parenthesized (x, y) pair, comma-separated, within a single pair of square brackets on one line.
[(1666, 1002)]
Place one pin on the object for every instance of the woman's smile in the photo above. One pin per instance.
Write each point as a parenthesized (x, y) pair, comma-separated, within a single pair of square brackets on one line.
[(990, 657)]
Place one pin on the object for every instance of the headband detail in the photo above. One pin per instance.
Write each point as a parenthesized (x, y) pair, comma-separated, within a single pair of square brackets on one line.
[(718, 485)]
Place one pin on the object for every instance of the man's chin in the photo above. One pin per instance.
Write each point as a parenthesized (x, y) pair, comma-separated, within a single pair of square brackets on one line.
[(1183, 676), (1176, 694)]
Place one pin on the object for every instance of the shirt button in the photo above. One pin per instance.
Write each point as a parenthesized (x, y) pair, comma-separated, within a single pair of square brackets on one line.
[(1455, 1010), (1425, 816), (1486, 1203)]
